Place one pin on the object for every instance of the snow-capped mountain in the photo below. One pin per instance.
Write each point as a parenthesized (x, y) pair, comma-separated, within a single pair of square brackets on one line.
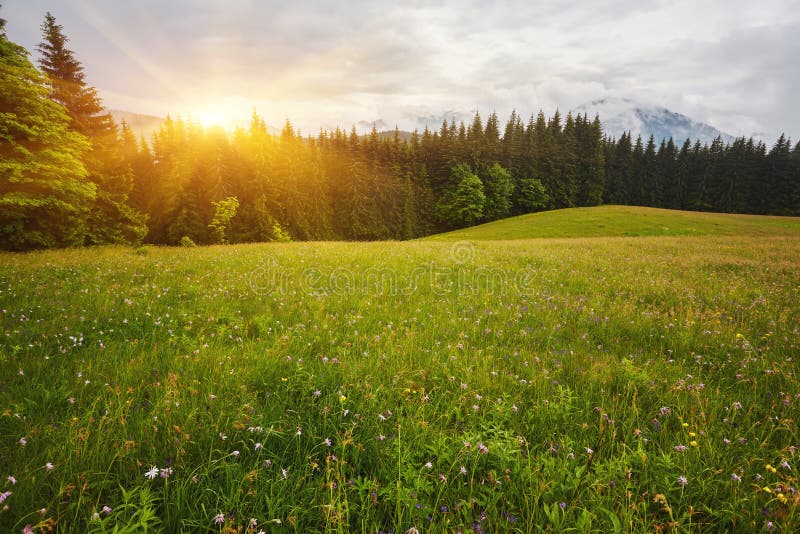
[(619, 115)]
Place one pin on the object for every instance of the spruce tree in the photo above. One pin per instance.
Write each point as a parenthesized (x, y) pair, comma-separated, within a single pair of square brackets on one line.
[(44, 194), (111, 218)]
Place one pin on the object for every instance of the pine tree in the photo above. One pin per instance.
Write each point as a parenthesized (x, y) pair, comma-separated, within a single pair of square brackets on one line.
[(44, 194), (111, 219), (68, 81)]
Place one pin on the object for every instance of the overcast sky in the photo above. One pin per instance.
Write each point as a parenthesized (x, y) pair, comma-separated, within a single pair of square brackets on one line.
[(731, 63)]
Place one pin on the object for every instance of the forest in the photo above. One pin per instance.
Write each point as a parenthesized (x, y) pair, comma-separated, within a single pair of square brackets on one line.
[(70, 176)]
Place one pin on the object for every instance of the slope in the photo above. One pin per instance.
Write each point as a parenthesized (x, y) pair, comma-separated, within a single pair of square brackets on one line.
[(619, 221)]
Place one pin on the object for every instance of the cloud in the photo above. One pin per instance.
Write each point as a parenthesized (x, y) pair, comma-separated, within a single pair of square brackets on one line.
[(730, 63)]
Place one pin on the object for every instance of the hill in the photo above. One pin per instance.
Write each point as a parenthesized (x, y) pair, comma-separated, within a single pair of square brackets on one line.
[(142, 125), (620, 221)]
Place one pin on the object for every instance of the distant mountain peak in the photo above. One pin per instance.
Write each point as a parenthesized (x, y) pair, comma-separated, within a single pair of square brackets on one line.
[(621, 114)]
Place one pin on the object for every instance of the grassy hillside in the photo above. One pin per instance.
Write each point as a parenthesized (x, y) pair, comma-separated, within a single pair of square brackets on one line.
[(631, 384), (611, 221)]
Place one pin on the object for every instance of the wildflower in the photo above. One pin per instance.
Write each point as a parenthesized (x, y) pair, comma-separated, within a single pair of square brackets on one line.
[(693, 443), (49, 467), (682, 481), (5, 495), (95, 517), (483, 449), (766, 489), (737, 405), (589, 451), (299, 431), (463, 470), (685, 425), (429, 465), (442, 477), (152, 473), (219, 519), (165, 472), (12, 480), (235, 454), (257, 446), (785, 465), (562, 505), (106, 510), (253, 523), (23, 441), (317, 393), (782, 498), (327, 442), (284, 473), (665, 411), (681, 448), (692, 434), (735, 477), (27, 529), (412, 530), (342, 398)]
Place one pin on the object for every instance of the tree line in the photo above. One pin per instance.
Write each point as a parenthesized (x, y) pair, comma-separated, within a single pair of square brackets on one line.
[(70, 176)]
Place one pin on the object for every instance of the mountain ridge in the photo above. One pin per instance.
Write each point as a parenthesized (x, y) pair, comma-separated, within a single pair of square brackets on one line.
[(619, 115)]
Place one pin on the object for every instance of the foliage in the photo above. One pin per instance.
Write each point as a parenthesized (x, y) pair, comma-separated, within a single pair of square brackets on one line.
[(224, 211), (110, 218), (462, 204), (44, 193), (498, 185), (532, 195)]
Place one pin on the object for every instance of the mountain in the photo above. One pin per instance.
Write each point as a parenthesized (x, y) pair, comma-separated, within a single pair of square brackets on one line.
[(619, 115), (142, 125)]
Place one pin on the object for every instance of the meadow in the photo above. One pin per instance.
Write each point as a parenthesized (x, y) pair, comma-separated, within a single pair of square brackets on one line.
[(606, 384)]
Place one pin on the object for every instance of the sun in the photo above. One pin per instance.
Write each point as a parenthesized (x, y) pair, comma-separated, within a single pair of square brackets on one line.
[(209, 118)]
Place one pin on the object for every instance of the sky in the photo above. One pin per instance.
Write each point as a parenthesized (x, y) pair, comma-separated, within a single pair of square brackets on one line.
[(730, 63)]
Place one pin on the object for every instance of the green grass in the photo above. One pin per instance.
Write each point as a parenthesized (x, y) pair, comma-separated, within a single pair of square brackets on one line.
[(619, 221), (666, 357)]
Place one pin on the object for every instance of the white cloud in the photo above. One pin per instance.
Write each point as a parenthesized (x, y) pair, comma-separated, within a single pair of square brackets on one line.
[(730, 63)]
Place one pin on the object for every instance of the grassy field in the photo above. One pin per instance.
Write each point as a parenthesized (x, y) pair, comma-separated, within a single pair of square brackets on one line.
[(594, 384), (622, 221)]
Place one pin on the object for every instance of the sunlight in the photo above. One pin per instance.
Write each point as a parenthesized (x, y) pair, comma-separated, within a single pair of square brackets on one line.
[(209, 118)]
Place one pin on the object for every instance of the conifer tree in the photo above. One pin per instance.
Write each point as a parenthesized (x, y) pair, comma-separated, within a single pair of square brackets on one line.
[(44, 193), (111, 219)]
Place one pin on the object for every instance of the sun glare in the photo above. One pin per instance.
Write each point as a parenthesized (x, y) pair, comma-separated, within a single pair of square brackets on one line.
[(210, 118)]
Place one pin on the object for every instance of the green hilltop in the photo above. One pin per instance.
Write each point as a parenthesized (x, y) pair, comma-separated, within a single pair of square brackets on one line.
[(624, 221)]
